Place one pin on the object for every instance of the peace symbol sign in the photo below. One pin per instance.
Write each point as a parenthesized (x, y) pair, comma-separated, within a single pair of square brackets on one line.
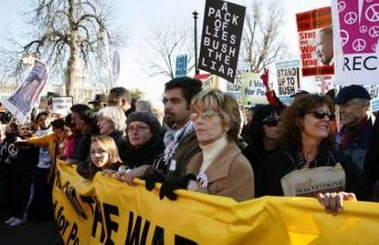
[(359, 44), (12, 149), (363, 29), (3, 150), (373, 47), (372, 13), (341, 5), (350, 18), (374, 31), (344, 35)]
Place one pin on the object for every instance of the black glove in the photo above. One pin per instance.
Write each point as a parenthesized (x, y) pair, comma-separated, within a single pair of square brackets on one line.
[(171, 184), (152, 178)]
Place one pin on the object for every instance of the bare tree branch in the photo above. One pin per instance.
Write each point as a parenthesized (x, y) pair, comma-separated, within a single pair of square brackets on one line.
[(162, 45), (261, 42), (67, 34)]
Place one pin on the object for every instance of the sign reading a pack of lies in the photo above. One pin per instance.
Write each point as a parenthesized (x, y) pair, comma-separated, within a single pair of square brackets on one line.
[(221, 38)]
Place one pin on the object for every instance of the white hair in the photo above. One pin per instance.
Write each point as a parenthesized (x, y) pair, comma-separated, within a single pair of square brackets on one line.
[(116, 115)]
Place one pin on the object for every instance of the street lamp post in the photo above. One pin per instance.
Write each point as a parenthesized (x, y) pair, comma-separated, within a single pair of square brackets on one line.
[(195, 14)]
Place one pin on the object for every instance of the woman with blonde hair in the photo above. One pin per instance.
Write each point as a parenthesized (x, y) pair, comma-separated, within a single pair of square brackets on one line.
[(220, 168), (103, 155)]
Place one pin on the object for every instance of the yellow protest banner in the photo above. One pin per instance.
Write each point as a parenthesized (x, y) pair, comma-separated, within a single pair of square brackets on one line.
[(73, 202), (120, 214)]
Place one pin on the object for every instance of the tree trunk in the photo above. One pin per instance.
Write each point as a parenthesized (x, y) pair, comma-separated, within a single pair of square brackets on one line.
[(73, 78)]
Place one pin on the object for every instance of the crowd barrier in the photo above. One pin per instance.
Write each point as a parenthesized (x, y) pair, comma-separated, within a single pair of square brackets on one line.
[(106, 211)]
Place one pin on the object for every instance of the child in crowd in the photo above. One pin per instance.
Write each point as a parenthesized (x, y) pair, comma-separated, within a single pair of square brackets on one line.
[(69, 141), (103, 154)]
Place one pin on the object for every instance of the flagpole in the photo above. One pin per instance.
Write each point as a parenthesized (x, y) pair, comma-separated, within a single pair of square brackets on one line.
[(195, 14)]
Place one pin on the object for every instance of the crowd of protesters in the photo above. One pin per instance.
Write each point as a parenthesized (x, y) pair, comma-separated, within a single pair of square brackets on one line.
[(197, 146)]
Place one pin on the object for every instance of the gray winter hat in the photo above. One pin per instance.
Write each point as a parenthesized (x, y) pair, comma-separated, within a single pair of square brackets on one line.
[(148, 118)]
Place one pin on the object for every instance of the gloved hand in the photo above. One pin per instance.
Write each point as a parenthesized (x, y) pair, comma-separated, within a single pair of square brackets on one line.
[(152, 178), (171, 184), (264, 77)]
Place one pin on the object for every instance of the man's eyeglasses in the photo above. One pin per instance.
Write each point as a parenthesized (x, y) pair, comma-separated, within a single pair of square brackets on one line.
[(271, 121), (207, 115), (136, 129), (322, 115)]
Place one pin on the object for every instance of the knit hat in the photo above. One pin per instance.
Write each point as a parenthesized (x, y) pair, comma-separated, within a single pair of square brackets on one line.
[(148, 118)]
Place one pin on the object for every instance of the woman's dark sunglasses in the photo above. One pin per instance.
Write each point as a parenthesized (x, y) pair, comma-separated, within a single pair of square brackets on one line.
[(271, 121), (322, 114)]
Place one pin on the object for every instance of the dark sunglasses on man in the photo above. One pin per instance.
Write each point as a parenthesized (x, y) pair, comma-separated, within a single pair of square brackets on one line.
[(271, 121)]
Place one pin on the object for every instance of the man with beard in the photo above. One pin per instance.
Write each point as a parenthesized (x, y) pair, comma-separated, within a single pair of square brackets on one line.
[(180, 139)]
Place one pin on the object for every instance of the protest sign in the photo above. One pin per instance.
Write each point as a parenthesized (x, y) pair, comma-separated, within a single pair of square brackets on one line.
[(288, 79), (107, 211), (324, 84), (61, 105), (357, 25), (316, 41), (234, 89), (221, 38), (181, 65), (253, 90), (374, 92), (23, 99), (211, 82)]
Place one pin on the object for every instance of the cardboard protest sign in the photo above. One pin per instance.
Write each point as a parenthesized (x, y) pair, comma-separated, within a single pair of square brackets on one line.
[(252, 89), (181, 65), (221, 38), (61, 105), (234, 89), (374, 92), (211, 82), (288, 79), (316, 42), (357, 25)]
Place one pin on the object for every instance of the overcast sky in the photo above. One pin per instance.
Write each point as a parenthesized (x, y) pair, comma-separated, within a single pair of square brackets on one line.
[(137, 15)]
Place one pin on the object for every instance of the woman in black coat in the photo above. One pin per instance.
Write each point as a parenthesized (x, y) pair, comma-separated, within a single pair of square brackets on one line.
[(144, 143), (265, 133), (308, 143)]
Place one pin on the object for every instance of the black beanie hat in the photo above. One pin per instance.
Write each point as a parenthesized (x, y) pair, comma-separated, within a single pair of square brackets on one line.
[(145, 117)]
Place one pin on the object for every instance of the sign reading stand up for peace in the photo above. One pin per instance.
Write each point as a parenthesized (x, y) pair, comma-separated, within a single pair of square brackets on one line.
[(221, 38)]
